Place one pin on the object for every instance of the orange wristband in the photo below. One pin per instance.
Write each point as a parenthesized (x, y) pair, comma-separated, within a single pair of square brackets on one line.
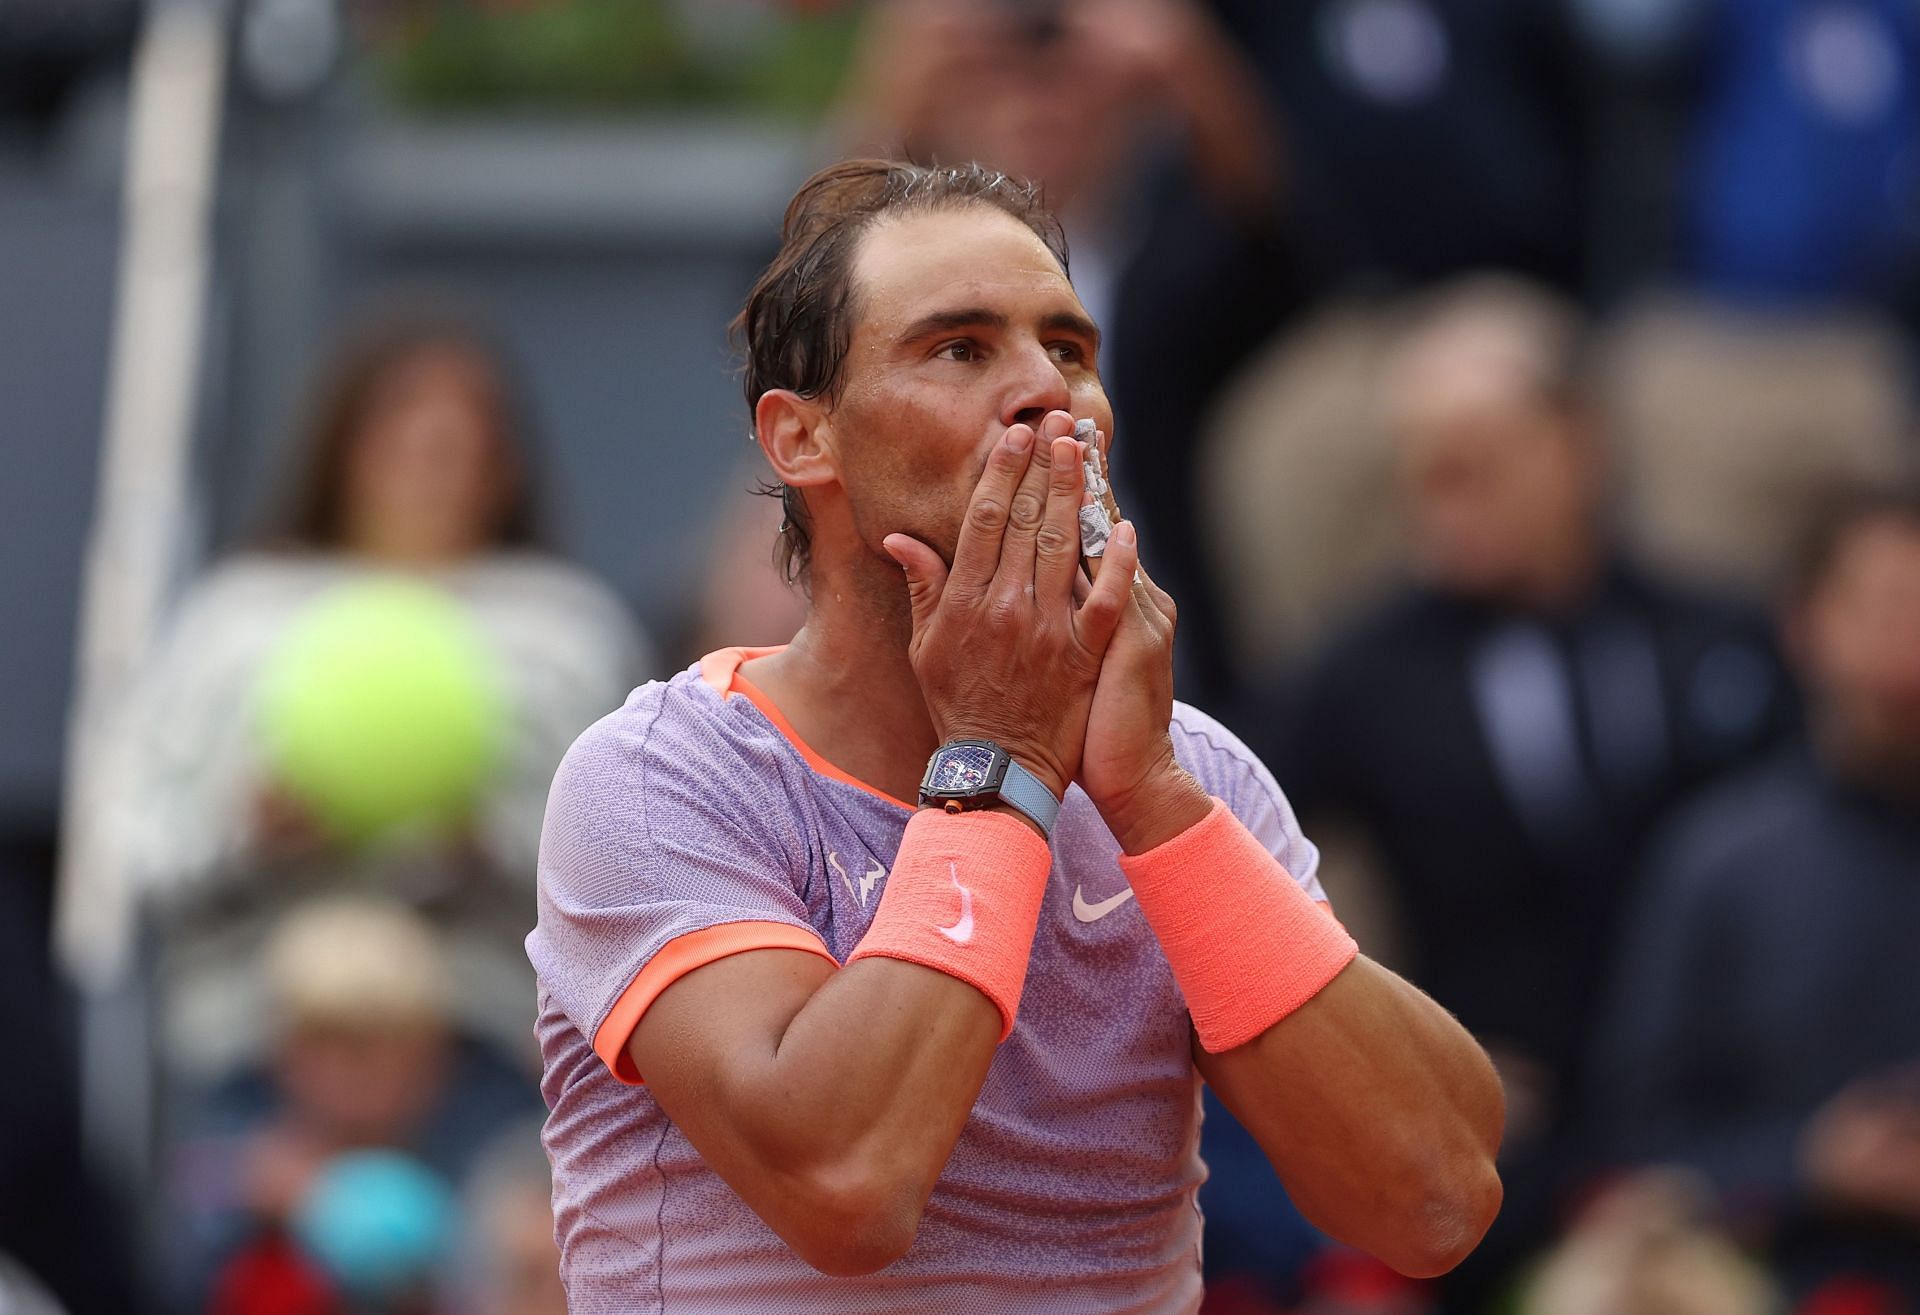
[(963, 899), (1246, 944)]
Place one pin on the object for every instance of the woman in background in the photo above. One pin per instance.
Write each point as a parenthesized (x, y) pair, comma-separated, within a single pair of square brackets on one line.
[(413, 467)]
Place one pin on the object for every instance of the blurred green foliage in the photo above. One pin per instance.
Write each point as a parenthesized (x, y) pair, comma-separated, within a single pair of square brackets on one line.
[(610, 55)]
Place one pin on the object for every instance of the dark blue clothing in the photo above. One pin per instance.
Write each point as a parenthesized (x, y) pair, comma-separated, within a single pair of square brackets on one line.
[(1773, 961), (1801, 178), (1510, 765), (483, 1096)]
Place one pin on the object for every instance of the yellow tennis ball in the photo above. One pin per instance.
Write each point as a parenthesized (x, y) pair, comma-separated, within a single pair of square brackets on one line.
[(381, 708)]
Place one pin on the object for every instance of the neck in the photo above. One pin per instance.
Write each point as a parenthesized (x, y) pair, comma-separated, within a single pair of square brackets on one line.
[(1563, 575), (845, 684), (406, 551)]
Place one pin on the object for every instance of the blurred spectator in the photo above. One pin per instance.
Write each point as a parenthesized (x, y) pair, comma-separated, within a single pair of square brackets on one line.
[(1507, 729), (1423, 139), (1297, 480), (270, 1177), (416, 470), (1763, 1029), (512, 1263), (1068, 93), (1426, 138), (1649, 1245)]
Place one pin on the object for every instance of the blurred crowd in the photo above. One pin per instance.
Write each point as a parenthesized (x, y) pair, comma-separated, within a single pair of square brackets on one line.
[(1517, 396)]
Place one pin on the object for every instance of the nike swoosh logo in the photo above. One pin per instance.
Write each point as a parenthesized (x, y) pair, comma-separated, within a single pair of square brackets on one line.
[(1094, 912), (962, 931)]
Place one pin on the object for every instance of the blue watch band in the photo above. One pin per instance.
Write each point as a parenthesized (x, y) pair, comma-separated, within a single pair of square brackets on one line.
[(1024, 791)]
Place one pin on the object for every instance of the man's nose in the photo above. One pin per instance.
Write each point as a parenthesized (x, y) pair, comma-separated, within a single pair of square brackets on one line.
[(1037, 388)]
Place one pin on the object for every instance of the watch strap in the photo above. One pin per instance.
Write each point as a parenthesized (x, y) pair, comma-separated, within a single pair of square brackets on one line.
[(1029, 794)]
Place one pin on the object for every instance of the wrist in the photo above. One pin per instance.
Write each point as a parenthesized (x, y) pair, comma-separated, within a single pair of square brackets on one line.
[(1164, 802), (975, 774), (1037, 763)]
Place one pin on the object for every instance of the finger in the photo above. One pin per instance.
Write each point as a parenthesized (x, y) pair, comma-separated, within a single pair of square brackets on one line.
[(1057, 543), (1151, 595), (1029, 507), (926, 576), (1097, 458), (977, 555), (1110, 596)]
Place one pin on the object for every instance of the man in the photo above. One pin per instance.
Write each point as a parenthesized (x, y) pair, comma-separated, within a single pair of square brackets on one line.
[(808, 1049), (1503, 732), (1507, 727), (1763, 1029)]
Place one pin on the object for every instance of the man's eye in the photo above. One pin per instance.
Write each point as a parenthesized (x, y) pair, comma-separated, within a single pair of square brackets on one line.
[(1066, 352), (960, 350)]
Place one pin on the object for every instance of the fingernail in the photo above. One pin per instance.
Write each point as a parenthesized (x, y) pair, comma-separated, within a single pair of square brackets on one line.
[(1020, 438), (1123, 533)]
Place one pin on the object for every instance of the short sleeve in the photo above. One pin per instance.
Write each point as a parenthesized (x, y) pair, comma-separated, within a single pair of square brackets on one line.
[(1231, 772), (644, 848)]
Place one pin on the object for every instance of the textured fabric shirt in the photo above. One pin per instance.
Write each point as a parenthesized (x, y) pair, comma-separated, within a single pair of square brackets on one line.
[(1072, 1187)]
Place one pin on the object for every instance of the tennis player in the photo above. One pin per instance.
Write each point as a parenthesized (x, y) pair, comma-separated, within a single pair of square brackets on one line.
[(879, 972)]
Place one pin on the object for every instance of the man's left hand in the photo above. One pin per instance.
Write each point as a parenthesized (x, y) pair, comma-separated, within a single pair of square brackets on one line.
[(1127, 767)]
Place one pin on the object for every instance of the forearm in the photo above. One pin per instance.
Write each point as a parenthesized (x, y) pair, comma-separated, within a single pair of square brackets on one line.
[(1380, 1114), (846, 1137), (1236, 151), (830, 1098)]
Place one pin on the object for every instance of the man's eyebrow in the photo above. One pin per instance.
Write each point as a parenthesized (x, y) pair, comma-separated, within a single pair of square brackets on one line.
[(946, 321), (1066, 321), (980, 317)]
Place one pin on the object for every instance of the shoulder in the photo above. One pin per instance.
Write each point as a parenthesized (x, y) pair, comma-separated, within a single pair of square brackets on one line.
[(666, 729), (674, 755), (1735, 837), (1205, 747), (247, 582)]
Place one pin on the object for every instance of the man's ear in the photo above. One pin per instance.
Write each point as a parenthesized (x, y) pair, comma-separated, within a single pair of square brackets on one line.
[(793, 432)]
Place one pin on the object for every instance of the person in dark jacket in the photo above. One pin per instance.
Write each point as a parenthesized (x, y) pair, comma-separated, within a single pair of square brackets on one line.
[(1762, 1029), (1508, 729)]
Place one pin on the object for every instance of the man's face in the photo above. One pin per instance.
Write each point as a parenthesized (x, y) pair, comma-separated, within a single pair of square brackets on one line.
[(963, 325), (1495, 476)]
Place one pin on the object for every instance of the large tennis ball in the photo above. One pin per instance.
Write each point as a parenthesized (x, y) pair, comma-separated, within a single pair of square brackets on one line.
[(381, 708), (378, 1221)]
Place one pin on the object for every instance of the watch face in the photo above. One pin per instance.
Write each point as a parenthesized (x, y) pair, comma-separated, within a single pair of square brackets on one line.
[(962, 768)]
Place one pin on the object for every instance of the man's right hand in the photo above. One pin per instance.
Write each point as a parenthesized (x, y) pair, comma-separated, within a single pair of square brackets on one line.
[(999, 647)]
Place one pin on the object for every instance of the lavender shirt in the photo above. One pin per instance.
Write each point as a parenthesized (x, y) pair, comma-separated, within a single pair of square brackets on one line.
[(1073, 1185)]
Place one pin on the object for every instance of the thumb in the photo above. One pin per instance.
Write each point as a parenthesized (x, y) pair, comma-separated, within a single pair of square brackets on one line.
[(926, 575)]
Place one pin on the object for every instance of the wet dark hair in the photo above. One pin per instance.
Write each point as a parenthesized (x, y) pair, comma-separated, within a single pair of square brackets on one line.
[(311, 511), (798, 319), (1842, 514)]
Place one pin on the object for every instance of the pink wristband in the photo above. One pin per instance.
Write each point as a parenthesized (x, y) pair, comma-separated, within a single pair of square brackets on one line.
[(1246, 944), (964, 899)]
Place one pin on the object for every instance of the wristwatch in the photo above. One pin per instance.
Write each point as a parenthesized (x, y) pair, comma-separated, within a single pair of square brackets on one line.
[(967, 774)]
